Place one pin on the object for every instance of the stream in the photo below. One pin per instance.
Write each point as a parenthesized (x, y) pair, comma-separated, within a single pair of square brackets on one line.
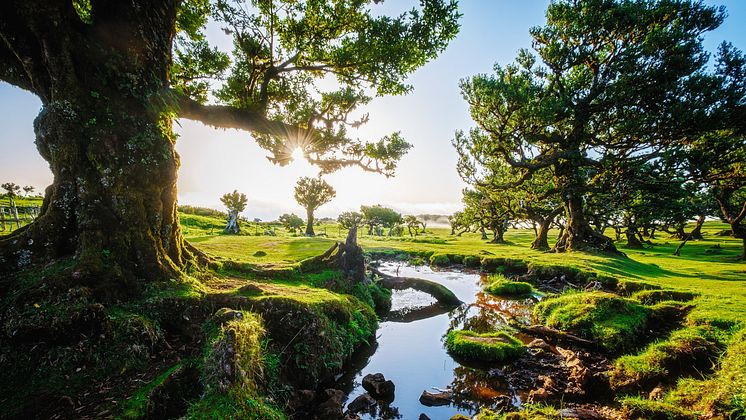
[(410, 348)]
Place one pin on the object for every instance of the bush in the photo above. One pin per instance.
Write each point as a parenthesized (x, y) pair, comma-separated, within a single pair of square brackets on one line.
[(613, 322), (472, 261), (488, 347), (501, 286), (440, 260)]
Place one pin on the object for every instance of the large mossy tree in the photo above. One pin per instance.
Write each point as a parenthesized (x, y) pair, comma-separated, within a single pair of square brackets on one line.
[(609, 82), (113, 75)]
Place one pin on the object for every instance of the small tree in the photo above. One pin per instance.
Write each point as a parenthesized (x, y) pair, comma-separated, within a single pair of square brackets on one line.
[(379, 216), (28, 189), (413, 225), (235, 202), (291, 222), (312, 193), (12, 190), (350, 219)]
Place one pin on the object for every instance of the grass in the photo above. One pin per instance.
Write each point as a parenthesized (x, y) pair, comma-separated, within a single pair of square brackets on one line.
[(501, 286), (487, 347), (691, 350), (613, 322)]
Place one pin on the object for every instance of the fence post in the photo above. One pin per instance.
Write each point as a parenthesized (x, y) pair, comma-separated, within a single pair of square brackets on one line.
[(2, 219)]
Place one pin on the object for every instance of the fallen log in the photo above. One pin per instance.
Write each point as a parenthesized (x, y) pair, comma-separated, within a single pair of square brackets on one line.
[(441, 293)]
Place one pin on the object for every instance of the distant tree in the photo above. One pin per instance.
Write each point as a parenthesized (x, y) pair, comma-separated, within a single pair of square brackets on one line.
[(459, 223), (11, 191), (413, 225), (312, 193), (291, 222), (608, 81), (28, 189), (350, 219), (235, 202), (379, 217)]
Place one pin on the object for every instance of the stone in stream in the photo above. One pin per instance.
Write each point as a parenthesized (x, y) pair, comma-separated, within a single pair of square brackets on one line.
[(434, 399), (361, 403), (379, 387), (331, 408), (424, 416)]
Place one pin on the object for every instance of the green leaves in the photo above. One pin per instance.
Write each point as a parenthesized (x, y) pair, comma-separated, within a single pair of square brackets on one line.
[(312, 65)]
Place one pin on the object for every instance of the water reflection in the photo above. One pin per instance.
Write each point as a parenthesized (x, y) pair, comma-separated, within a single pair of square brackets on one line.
[(410, 349)]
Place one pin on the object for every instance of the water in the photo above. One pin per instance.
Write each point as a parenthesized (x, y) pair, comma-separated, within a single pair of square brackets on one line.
[(410, 350)]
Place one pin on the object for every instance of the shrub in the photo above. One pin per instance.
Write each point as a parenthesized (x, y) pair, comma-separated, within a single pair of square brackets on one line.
[(472, 261), (488, 347), (439, 260)]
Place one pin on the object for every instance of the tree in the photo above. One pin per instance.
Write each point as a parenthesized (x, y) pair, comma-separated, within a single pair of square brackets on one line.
[(291, 222), (378, 216), (11, 191), (312, 193), (609, 81), (112, 76), (458, 223), (413, 225), (28, 189), (235, 202), (350, 219)]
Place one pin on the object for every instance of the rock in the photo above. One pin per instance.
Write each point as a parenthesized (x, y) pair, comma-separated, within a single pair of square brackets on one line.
[(580, 413), (351, 416), (224, 315), (379, 387), (656, 393), (251, 290), (423, 416), (539, 344), (496, 373), (540, 394), (361, 403), (331, 407), (434, 399), (301, 399)]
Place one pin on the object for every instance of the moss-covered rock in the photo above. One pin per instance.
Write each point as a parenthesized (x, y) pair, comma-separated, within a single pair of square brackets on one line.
[(501, 286), (613, 322), (233, 372), (487, 347)]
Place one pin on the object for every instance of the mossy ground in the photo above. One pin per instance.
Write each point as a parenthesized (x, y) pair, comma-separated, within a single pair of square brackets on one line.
[(707, 276), (613, 322), (487, 347), (127, 338)]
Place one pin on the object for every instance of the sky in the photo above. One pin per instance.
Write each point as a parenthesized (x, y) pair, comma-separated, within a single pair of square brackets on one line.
[(214, 161)]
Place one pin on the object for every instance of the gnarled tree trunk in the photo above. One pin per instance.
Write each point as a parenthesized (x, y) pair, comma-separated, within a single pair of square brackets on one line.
[(112, 204), (545, 223), (232, 225)]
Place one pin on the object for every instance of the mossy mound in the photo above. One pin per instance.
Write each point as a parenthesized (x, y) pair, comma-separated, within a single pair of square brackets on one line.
[(722, 395), (488, 347), (501, 286), (440, 260), (635, 408), (615, 323), (690, 350), (651, 297), (235, 372)]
